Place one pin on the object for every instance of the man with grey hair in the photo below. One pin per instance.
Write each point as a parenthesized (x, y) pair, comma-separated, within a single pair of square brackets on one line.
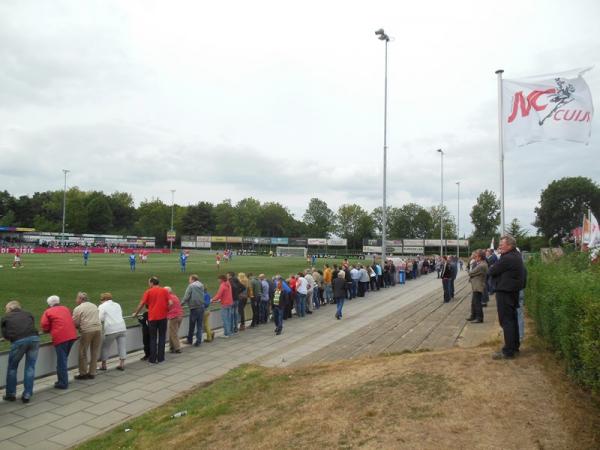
[(508, 277), (57, 321), (86, 318), (18, 327)]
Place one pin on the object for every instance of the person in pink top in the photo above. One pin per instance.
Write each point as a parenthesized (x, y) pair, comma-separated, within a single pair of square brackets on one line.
[(57, 321), (225, 296), (175, 316)]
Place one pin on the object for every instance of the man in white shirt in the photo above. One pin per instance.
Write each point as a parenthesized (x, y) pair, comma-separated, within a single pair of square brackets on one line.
[(301, 292)]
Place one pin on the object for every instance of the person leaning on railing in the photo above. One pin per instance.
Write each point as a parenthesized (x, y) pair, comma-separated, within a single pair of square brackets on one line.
[(87, 320), (18, 327), (111, 316)]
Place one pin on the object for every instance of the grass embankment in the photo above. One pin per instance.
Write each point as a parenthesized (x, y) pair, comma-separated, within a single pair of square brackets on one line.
[(449, 399)]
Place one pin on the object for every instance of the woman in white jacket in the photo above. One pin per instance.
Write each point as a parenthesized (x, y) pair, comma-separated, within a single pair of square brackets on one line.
[(111, 317)]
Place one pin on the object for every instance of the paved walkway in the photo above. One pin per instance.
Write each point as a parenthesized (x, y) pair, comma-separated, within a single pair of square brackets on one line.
[(59, 419)]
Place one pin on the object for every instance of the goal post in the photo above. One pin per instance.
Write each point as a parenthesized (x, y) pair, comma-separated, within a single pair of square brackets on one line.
[(291, 251)]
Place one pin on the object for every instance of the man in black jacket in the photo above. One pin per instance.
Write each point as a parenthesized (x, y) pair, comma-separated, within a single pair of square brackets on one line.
[(18, 327), (508, 277)]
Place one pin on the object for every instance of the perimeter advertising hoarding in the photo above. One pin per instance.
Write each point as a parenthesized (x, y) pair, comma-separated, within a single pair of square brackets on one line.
[(279, 241), (413, 242), (393, 243), (377, 249), (317, 241), (188, 244), (202, 244), (218, 239), (432, 243), (414, 250), (371, 242), (234, 239), (202, 238), (337, 242), (301, 242)]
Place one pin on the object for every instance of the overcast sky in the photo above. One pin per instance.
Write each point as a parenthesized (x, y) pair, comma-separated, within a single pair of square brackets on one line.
[(283, 101)]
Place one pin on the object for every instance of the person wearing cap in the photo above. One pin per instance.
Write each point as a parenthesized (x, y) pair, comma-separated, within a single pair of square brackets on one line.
[(111, 316), (57, 321), (18, 327), (87, 320)]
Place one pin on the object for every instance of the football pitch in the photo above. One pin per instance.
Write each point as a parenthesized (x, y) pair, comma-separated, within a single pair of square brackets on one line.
[(65, 275)]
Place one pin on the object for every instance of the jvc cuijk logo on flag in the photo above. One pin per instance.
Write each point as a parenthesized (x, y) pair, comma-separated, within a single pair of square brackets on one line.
[(546, 108)]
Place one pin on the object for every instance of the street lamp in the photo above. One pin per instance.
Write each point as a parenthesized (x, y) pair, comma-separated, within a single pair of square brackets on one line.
[(458, 221), (65, 171), (441, 152), (172, 215), (384, 37)]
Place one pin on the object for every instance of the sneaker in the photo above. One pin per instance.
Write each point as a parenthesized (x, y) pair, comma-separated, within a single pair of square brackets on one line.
[(25, 399), (9, 398)]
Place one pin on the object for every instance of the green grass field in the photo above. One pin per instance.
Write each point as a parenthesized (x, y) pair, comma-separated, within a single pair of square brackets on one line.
[(65, 275)]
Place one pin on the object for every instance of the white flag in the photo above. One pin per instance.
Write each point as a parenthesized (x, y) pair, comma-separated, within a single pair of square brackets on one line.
[(547, 108), (594, 240)]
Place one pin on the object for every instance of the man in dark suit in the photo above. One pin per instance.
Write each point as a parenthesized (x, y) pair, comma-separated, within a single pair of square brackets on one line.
[(508, 277), (446, 275)]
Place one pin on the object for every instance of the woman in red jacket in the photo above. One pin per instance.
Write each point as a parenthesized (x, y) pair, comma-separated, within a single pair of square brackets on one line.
[(57, 321)]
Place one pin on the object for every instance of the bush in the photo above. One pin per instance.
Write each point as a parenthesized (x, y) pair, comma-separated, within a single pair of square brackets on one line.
[(563, 298)]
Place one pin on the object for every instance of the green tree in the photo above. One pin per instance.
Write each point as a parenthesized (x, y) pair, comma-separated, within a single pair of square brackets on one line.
[(100, 216), (485, 215), (199, 219), (390, 219), (154, 219), (516, 230), (448, 220), (319, 219), (563, 203), (124, 212), (412, 221), (224, 218), (245, 218), (275, 220), (354, 224)]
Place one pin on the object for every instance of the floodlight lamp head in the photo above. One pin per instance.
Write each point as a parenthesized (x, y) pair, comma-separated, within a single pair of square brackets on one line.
[(439, 150), (379, 32)]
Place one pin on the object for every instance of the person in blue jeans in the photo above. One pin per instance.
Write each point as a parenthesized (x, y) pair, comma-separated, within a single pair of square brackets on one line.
[(339, 293), (18, 327)]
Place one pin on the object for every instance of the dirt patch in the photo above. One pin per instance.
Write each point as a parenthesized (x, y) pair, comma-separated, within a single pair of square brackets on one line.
[(449, 399), (458, 398)]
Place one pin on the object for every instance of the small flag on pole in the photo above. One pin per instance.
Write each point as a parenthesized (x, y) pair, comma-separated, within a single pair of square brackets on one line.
[(547, 108)]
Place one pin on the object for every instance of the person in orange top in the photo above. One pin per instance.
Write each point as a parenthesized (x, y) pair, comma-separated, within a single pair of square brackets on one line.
[(156, 299), (225, 296), (327, 277)]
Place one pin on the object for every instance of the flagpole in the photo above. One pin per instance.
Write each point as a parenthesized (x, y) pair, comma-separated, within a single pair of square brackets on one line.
[(499, 72)]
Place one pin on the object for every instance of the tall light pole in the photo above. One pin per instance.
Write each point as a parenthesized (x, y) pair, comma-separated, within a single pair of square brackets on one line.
[(458, 221), (172, 215), (384, 37), (441, 152), (65, 171)]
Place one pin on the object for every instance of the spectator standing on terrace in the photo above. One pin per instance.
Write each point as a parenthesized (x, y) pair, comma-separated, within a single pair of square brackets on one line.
[(255, 294), (446, 274), (309, 290), (301, 292), (454, 264), (18, 327), (276, 305), (242, 296), (194, 299), (174, 318), (210, 335), (318, 289), (265, 296), (363, 281), (355, 276), (339, 293), (111, 316), (87, 319), (327, 279), (477, 277), (225, 296), (156, 299), (508, 277), (57, 321)]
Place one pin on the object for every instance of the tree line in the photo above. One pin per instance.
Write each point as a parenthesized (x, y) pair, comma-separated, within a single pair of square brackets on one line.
[(562, 205)]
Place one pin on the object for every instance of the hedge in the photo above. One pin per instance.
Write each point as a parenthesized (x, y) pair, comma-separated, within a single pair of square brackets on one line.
[(563, 298)]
